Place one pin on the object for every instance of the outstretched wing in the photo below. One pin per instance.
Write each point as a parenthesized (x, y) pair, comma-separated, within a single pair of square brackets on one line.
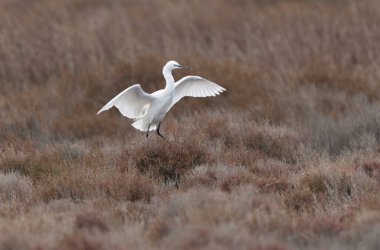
[(131, 102), (195, 86)]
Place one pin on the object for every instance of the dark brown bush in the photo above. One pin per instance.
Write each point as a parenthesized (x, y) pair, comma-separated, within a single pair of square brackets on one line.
[(168, 160)]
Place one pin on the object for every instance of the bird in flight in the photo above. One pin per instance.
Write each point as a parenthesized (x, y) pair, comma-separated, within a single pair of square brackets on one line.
[(148, 110)]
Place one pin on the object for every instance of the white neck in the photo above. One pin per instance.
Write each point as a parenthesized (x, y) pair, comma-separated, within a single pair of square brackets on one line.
[(169, 79)]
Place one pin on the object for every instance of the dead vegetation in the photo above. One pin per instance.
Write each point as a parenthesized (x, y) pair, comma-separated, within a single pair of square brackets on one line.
[(166, 161), (287, 158)]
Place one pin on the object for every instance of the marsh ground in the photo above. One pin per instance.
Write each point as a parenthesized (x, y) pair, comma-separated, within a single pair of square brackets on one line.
[(287, 158)]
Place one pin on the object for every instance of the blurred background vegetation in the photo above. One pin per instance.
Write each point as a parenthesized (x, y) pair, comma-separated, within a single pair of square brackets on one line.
[(286, 158)]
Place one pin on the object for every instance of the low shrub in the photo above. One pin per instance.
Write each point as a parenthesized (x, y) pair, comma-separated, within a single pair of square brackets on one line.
[(168, 161)]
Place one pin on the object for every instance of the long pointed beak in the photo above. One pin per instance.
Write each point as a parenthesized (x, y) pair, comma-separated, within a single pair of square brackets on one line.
[(184, 67)]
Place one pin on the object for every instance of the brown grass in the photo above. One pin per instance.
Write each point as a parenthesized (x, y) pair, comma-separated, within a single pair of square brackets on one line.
[(287, 158), (90, 222), (168, 161)]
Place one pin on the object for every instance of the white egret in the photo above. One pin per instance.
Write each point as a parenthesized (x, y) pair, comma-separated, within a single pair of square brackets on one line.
[(148, 110)]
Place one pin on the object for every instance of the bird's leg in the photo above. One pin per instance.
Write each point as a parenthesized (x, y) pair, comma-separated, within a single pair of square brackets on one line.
[(147, 132), (158, 131)]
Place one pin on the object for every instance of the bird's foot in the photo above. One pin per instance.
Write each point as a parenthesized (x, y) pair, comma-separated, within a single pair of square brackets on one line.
[(163, 137), (158, 132)]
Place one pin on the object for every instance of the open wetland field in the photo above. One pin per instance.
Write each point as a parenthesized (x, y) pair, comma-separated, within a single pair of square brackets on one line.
[(286, 158)]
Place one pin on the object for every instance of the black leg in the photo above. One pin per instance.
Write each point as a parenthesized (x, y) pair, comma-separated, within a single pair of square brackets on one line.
[(147, 132), (158, 131)]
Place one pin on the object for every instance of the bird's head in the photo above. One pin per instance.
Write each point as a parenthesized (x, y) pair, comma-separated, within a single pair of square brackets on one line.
[(172, 65)]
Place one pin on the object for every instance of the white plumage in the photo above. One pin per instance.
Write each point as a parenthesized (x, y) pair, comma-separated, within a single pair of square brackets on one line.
[(148, 110), (195, 86)]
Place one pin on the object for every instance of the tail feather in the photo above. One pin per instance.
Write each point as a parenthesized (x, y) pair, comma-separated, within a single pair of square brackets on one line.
[(143, 125)]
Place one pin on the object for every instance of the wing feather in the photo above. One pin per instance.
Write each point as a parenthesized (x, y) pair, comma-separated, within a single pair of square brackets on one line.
[(195, 86), (131, 102)]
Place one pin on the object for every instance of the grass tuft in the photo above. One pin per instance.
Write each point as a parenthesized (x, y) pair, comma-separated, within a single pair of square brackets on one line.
[(168, 161)]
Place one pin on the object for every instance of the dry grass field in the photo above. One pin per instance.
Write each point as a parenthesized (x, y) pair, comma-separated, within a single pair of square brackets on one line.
[(287, 158)]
